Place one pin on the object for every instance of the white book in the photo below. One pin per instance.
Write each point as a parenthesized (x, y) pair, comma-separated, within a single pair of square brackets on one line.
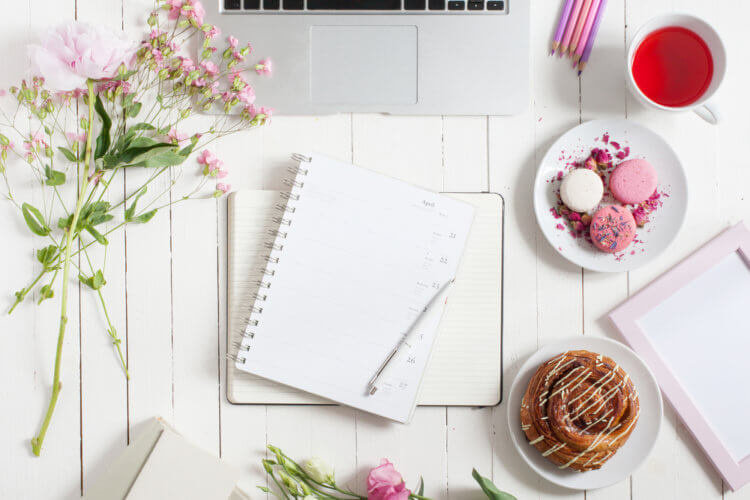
[(357, 275), (161, 464)]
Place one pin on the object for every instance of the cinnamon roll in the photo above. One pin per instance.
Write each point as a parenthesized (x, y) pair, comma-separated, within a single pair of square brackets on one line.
[(579, 408)]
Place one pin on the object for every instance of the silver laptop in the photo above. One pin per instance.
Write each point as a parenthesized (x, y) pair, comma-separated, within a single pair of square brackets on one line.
[(389, 56)]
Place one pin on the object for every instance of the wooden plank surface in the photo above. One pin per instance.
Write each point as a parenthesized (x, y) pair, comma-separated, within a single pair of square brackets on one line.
[(166, 281)]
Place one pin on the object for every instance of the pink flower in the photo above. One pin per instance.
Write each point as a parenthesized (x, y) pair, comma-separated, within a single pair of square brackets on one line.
[(246, 95), (263, 67), (192, 9), (3, 92), (206, 157), (73, 137), (178, 137), (385, 483), (209, 67), (232, 41), (222, 189), (213, 32), (72, 53)]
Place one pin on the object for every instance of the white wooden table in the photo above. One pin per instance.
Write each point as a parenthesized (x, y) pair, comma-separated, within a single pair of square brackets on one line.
[(167, 281)]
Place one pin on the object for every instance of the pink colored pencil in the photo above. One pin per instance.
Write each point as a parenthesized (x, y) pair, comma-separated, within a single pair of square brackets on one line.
[(571, 25), (579, 26), (561, 25), (593, 11), (592, 37)]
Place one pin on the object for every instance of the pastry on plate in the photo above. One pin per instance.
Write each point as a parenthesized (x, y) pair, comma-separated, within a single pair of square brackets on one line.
[(579, 408)]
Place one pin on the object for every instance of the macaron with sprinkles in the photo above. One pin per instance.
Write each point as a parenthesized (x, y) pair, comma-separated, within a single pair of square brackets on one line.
[(612, 228)]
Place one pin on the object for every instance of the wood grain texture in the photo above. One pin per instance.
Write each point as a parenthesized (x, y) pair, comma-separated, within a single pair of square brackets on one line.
[(167, 281)]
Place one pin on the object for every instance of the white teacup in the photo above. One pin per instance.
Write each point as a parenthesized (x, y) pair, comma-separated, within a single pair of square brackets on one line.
[(705, 106)]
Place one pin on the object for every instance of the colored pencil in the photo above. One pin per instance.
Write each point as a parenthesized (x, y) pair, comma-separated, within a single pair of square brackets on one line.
[(592, 37), (579, 26), (571, 25), (593, 11), (561, 25)]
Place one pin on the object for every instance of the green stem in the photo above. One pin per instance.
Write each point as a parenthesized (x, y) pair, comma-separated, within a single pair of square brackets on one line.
[(113, 333), (36, 442), (26, 290)]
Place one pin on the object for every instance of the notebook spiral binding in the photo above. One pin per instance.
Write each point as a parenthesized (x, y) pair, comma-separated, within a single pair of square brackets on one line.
[(264, 283)]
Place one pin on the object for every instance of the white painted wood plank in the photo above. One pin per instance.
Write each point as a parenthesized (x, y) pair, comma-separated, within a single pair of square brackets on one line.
[(469, 430), (148, 284), (542, 291), (408, 148), (676, 468), (603, 95), (30, 334), (258, 160), (103, 383)]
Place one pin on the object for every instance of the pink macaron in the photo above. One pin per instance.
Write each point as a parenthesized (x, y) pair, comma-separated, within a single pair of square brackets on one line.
[(612, 228), (633, 181)]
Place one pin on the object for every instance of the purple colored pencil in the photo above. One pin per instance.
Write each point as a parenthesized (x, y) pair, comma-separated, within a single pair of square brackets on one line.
[(592, 36), (561, 25)]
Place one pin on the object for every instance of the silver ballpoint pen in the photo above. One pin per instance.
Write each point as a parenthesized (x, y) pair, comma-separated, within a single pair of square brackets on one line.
[(372, 386)]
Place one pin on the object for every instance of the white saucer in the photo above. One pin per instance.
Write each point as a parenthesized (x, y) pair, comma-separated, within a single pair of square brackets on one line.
[(576, 144), (638, 446)]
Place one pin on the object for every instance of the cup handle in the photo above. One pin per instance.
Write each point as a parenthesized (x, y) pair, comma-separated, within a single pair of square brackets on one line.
[(709, 111)]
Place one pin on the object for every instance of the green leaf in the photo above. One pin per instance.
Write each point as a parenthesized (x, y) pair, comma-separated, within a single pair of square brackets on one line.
[(64, 222), (134, 109), (103, 141), (98, 280), (95, 282), (164, 159), (420, 489), (35, 220), (264, 489), (489, 488), (97, 235), (142, 126), (4, 140), (46, 292), (145, 217), (67, 153), (54, 177), (47, 255), (130, 211)]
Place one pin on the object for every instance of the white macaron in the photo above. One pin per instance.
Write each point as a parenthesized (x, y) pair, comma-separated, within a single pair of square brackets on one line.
[(581, 190)]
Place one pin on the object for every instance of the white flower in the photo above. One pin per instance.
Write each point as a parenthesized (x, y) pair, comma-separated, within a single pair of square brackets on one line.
[(319, 470)]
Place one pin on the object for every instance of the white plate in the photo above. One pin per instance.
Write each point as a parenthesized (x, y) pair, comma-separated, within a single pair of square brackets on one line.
[(576, 144), (636, 448)]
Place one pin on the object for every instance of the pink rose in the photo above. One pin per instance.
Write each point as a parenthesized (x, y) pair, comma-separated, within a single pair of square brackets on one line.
[(385, 483), (70, 54)]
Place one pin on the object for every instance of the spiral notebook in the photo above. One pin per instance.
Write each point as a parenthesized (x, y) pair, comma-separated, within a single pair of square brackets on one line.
[(353, 260)]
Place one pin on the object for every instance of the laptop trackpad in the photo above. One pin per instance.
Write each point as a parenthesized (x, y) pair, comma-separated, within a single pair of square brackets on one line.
[(363, 64)]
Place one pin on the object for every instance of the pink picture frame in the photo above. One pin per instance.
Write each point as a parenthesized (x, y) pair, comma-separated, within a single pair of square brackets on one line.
[(630, 317)]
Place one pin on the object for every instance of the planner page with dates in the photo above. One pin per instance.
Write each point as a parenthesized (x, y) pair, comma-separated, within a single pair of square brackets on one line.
[(356, 258)]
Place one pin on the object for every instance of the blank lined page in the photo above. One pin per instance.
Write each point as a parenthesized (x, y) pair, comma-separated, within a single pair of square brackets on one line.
[(701, 333), (362, 256)]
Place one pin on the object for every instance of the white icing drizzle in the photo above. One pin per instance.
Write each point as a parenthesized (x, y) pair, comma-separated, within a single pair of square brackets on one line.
[(553, 449), (540, 438)]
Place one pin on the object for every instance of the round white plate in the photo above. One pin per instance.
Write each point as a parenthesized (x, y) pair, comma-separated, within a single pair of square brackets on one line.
[(575, 145), (636, 448)]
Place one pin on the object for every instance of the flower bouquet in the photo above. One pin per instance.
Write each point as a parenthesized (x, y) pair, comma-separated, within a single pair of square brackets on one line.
[(98, 105)]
